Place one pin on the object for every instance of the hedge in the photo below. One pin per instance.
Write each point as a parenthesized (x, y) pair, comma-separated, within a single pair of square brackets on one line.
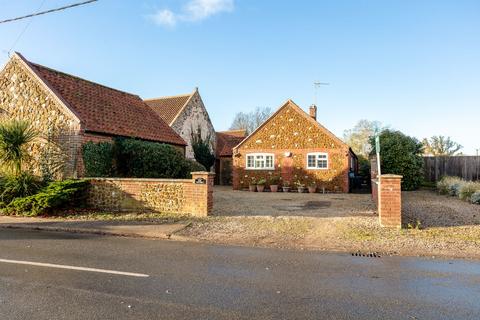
[(98, 159), (58, 194), (142, 159), (133, 158)]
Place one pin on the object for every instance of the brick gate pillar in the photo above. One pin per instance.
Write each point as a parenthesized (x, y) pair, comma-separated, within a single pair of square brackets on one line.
[(390, 200), (203, 192)]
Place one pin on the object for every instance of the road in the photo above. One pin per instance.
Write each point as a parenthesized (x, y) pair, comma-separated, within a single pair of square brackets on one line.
[(161, 279)]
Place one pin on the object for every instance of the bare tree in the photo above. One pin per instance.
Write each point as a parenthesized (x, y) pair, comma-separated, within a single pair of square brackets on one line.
[(251, 120), (358, 138), (440, 146)]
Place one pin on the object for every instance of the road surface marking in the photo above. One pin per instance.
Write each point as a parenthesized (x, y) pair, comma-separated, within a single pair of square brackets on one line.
[(61, 266)]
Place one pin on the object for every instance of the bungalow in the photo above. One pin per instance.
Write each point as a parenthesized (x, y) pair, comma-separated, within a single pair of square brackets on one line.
[(293, 147), (184, 113), (72, 111)]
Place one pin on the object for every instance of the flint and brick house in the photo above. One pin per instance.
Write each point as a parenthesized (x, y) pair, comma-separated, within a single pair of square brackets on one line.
[(226, 141), (72, 111), (293, 146), (184, 113)]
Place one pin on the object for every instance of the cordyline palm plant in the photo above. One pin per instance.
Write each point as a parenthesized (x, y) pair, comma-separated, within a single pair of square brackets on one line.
[(15, 136)]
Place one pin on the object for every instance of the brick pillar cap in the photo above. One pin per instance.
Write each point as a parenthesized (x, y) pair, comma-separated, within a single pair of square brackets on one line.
[(391, 176), (202, 173)]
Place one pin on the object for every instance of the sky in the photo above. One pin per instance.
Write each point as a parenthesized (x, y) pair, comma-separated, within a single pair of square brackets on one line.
[(413, 65)]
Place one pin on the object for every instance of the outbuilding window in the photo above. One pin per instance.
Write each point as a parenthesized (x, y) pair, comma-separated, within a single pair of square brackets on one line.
[(317, 160), (260, 161)]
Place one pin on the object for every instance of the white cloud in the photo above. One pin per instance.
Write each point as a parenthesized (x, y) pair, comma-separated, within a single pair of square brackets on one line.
[(193, 10), (164, 18), (197, 10)]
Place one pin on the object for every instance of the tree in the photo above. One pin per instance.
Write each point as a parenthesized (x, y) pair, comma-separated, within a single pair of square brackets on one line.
[(202, 148), (15, 136), (440, 146), (401, 154), (251, 120), (358, 138)]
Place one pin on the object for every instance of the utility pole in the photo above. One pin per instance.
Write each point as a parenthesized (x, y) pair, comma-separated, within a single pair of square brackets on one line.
[(316, 86)]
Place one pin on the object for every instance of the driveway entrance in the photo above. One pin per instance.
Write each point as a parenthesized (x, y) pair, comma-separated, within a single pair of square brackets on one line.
[(243, 203)]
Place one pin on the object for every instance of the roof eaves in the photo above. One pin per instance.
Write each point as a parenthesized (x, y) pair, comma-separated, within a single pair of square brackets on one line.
[(46, 85), (183, 107)]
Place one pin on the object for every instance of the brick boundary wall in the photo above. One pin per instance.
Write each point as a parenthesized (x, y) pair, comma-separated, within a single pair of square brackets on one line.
[(176, 196), (388, 200)]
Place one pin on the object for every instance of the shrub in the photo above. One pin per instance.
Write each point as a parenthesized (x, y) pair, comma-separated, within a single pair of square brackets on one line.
[(443, 186), (192, 166), (22, 185), (98, 159), (202, 148), (274, 180), (467, 189), (56, 195), (401, 154), (454, 189), (475, 198), (142, 159)]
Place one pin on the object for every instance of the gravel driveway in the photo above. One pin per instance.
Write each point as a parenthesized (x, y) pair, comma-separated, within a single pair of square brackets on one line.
[(228, 202), (436, 225)]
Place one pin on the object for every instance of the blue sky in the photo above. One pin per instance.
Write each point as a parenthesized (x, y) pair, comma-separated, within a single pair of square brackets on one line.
[(413, 65)]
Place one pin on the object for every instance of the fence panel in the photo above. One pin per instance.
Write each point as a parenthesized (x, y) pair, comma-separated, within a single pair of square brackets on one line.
[(466, 167)]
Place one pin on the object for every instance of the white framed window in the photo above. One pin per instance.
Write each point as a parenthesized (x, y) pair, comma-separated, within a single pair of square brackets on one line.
[(260, 161), (317, 160)]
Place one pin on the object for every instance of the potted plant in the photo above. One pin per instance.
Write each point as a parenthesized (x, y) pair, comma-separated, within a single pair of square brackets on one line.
[(253, 185), (312, 187), (286, 186), (261, 184), (300, 187), (274, 183)]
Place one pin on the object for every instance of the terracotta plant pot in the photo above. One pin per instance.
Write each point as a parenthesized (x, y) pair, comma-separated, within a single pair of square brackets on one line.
[(252, 187), (274, 187), (312, 189), (301, 189), (260, 188), (286, 189)]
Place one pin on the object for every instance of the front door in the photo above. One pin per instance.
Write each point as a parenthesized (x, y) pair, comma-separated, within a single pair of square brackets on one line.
[(287, 169)]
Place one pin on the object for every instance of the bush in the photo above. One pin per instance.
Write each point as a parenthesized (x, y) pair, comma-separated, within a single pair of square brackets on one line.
[(467, 189), (401, 154), (58, 194), (475, 198), (142, 159), (444, 185), (98, 159), (454, 189), (192, 166), (23, 185)]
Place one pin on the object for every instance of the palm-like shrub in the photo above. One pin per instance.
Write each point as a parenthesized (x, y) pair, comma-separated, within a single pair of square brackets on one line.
[(15, 136), (21, 185)]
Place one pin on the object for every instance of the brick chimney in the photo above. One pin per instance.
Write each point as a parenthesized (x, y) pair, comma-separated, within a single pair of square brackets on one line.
[(313, 111)]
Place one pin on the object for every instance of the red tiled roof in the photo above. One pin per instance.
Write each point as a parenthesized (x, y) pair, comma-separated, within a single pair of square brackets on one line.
[(168, 107), (105, 110), (226, 140)]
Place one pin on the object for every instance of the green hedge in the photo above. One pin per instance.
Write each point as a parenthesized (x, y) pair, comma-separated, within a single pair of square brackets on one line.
[(401, 154), (142, 159), (58, 194), (136, 159), (98, 159)]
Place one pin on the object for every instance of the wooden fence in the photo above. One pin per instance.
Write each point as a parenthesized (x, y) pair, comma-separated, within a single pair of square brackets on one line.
[(466, 167)]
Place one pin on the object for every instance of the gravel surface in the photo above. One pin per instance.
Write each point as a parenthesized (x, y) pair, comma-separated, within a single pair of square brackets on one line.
[(435, 225)]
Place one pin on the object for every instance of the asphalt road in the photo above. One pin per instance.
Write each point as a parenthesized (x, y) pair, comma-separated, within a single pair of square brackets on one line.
[(197, 281)]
